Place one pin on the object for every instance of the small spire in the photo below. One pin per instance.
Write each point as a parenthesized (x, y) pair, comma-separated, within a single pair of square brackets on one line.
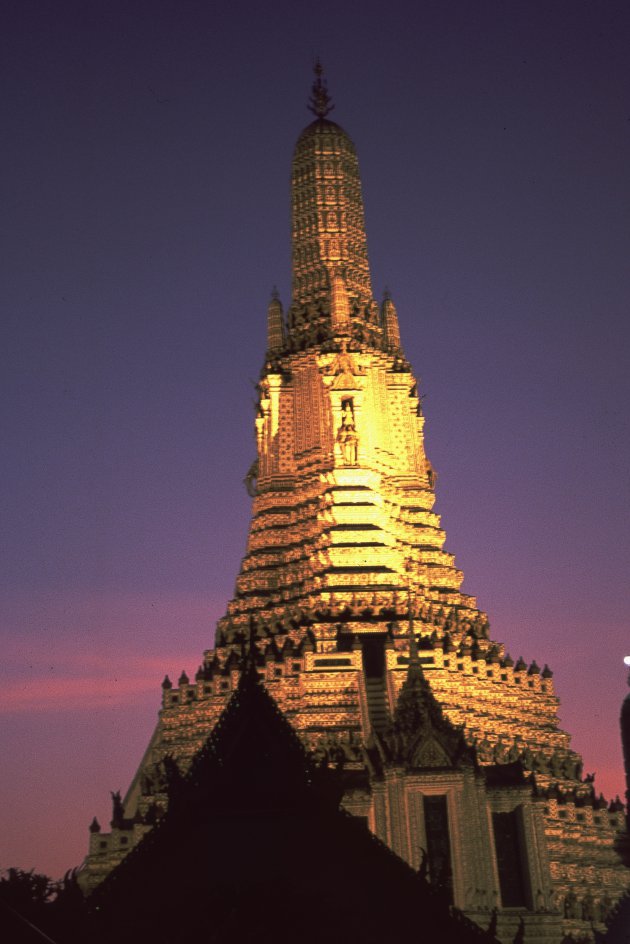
[(389, 320), (319, 102), (275, 323)]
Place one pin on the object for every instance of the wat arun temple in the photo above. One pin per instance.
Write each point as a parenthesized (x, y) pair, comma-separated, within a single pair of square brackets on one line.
[(450, 752)]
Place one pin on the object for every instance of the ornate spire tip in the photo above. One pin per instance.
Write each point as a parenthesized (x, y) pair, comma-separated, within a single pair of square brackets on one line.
[(320, 103)]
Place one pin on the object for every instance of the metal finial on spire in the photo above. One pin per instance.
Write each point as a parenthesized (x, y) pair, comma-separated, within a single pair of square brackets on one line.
[(319, 102)]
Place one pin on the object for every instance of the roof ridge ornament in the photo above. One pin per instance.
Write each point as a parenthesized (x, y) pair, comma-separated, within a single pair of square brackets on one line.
[(319, 103)]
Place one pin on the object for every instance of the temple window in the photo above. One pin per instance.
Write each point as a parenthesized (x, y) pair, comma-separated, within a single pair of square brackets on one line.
[(510, 853), (438, 842)]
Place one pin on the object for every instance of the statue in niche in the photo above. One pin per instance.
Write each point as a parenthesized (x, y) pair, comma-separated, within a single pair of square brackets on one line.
[(347, 413), (347, 434), (349, 442)]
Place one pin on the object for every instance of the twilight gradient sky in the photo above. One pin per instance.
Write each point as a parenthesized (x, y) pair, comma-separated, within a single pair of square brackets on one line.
[(145, 175)]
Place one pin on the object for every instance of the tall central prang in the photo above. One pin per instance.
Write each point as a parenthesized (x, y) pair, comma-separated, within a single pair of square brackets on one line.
[(346, 599), (343, 528)]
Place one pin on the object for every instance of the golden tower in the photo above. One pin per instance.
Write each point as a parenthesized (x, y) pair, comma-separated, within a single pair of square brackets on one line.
[(357, 614)]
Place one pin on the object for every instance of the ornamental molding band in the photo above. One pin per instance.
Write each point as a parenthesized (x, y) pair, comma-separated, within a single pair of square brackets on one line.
[(354, 617)]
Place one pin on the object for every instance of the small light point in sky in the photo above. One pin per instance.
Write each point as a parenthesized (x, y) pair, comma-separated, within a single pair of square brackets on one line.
[(626, 660)]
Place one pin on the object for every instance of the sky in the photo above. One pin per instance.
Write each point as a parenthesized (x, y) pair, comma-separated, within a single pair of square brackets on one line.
[(145, 191)]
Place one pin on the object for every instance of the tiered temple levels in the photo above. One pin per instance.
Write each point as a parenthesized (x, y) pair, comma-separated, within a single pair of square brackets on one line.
[(345, 573)]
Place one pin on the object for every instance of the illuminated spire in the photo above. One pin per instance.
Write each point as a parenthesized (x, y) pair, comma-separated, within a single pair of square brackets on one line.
[(328, 225), (275, 323)]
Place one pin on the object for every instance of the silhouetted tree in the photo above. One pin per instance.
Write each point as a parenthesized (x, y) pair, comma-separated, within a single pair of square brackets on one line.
[(25, 898)]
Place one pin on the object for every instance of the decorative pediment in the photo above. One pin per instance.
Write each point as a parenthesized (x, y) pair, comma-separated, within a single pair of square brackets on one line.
[(344, 371), (420, 736), (430, 753)]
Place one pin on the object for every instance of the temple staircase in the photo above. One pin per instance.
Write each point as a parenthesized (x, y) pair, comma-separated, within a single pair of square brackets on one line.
[(377, 703)]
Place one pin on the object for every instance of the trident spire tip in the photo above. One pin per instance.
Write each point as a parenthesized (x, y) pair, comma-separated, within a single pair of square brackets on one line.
[(320, 102)]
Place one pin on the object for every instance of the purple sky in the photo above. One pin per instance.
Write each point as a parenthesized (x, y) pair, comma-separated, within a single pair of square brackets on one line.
[(146, 161)]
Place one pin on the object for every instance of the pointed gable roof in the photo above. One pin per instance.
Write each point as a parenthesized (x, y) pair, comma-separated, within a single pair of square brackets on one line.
[(254, 760), (420, 735), (254, 847)]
